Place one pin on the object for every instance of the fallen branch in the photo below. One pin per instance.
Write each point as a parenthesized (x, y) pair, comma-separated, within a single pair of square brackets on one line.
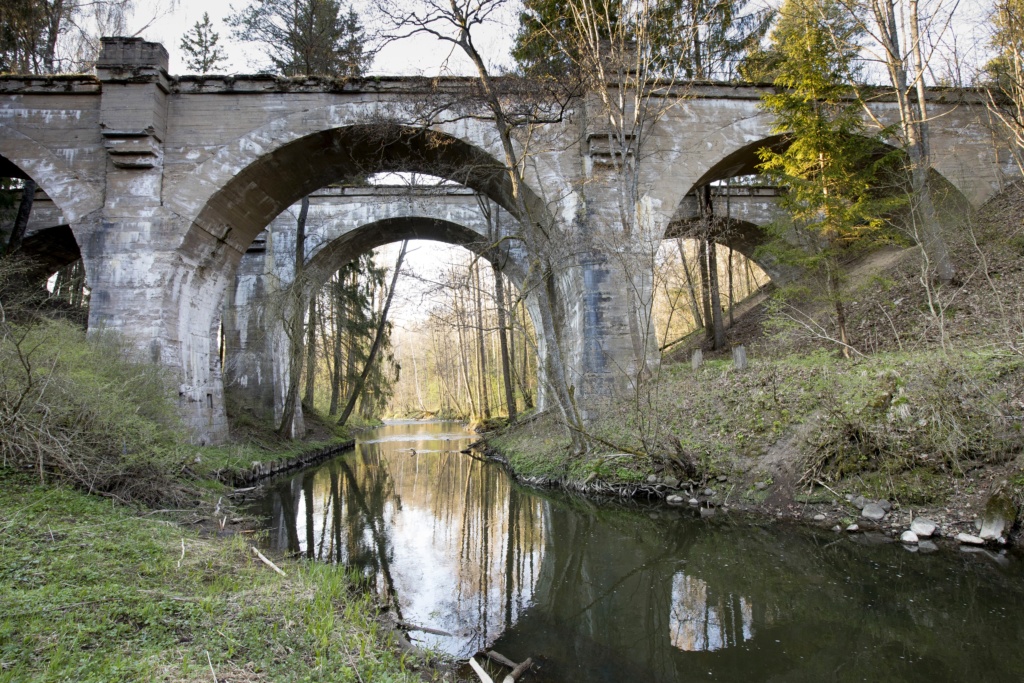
[(484, 678), (519, 671), (500, 659), (413, 627), (210, 662), (268, 562)]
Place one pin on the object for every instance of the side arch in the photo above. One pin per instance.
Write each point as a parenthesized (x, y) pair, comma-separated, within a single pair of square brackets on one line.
[(75, 196)]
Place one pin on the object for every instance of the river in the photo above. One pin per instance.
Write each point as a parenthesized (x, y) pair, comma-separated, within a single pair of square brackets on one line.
[(639, 593)]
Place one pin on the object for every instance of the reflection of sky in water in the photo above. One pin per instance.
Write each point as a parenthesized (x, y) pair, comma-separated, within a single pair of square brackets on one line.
[(442, 520), (697, 625)]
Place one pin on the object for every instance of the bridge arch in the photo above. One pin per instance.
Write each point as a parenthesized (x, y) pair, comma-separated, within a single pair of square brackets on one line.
[(743, 160), (57, 228), (255, 368), (77, 198)]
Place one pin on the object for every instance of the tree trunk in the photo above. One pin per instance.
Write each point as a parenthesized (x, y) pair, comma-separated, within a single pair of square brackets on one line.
[(506, 373), (716, 298), (357, 388), (698, 319), (307, 397), (337, 307), (485, 403), (294, 328), (705, 289), (28, 197)]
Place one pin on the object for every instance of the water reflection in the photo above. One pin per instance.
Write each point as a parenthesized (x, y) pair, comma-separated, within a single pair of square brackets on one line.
[(703, 623), (610, 593), (446, 538)]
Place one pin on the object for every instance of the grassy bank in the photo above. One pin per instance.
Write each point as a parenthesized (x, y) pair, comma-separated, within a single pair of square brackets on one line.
[(101, 592), (927, 414)]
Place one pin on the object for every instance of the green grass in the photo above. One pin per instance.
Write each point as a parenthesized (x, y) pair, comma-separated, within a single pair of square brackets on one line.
[(99, 592)]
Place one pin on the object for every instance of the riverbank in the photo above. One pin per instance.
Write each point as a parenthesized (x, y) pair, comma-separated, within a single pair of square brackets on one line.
[(94, 591)]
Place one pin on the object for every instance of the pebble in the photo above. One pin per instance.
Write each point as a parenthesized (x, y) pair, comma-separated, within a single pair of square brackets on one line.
[(723, 478), (709, 492), (852, 528), (909, 537), (923, 527), (760, 486), (674, 500), (670, 482), (694, 501), (837, 528), (819, 518), (885, 505), (849, 497), (652, 479), (969, 539), (859, 502), (872, 511)]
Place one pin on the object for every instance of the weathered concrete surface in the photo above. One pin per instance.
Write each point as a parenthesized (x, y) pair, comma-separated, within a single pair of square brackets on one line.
[(165, 183)]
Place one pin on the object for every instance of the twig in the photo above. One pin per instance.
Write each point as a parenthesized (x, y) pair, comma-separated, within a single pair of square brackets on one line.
[(210, 662), (267, 562), (182, 553), (819, 482), (413, 627), (500, 659)]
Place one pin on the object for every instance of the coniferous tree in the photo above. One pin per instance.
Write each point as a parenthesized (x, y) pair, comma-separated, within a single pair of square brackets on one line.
[(202, 53), (832, 163), (305, 37)]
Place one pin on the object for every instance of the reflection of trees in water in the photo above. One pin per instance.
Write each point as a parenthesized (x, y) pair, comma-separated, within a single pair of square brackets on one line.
[(410, 521), (701, 622)]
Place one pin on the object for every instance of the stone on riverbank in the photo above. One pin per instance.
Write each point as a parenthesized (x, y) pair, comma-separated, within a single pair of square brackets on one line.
[(969, 539), (909, 537), (873, 511), (923, 527)]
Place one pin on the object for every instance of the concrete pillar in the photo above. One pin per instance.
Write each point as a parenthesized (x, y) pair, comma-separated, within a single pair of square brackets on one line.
[(130, 255)]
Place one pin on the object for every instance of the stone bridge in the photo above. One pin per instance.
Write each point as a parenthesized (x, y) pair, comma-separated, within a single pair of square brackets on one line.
[(165, 182)]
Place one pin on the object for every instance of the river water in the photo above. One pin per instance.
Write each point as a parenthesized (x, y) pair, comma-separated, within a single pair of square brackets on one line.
[(637, 593)]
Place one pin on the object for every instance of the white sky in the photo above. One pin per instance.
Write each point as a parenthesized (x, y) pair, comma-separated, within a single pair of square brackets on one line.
[(421, 55)]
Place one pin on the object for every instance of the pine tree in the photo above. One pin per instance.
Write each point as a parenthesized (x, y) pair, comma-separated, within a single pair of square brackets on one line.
[(199, 44), (305, 37), (832, 163)]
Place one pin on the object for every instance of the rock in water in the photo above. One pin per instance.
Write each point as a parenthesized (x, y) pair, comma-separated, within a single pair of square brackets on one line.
[(999, 516), (909, 537), (873, 511), (969, 539), (674, 500)]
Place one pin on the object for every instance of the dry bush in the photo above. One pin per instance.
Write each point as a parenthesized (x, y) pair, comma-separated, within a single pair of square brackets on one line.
[(84, 409)]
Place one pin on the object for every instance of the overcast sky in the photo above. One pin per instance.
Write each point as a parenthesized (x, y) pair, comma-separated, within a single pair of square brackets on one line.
[(413, 56)]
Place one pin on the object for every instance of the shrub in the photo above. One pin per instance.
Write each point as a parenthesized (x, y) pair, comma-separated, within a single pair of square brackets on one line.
[(87, 410)]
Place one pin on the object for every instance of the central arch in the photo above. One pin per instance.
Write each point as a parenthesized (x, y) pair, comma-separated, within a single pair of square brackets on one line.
[(223, 229)]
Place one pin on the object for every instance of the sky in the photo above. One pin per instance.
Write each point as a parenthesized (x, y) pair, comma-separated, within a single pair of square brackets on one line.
[(165, 21)]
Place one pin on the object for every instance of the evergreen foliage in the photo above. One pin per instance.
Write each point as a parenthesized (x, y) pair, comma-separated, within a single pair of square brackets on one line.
[(832, 164), (306, 37), (203, 54)]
